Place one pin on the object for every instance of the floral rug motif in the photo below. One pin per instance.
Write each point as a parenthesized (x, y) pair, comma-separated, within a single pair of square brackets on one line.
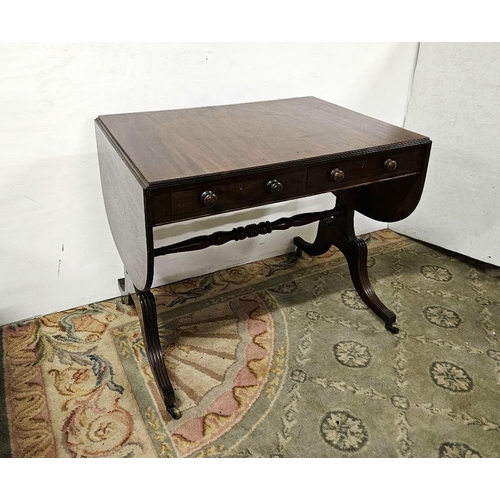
[(277, 358)]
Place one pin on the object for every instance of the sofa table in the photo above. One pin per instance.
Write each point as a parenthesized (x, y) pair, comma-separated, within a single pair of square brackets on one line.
[(166, 166)]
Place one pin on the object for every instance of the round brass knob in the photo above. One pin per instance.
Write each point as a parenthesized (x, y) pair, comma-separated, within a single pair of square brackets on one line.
[(337, 175), (209, 198), (274, 186), (390, 165)]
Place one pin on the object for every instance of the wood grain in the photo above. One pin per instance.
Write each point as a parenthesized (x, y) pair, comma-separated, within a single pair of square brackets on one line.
[(166, 147), (124, 199)]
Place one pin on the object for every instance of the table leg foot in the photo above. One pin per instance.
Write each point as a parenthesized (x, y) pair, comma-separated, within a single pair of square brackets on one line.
[(175, 413), (146, 308), (391, 327)]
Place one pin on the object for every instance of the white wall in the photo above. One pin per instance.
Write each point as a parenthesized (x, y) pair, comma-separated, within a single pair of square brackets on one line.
[(56, 249), (455, 101)]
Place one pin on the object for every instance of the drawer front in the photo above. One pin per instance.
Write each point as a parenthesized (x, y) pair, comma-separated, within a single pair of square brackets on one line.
[(218, 196), (359, 170)]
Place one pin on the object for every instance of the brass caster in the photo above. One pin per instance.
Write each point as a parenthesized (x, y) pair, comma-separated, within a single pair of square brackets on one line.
[(175, 413)]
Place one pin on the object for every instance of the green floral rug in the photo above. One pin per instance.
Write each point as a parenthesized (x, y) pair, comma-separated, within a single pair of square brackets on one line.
[(277, 358)]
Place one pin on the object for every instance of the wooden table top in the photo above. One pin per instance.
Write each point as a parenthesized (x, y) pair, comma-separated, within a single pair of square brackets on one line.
[(166, 146)]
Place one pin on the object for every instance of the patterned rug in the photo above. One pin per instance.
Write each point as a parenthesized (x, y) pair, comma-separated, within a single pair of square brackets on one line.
[(277, 358)]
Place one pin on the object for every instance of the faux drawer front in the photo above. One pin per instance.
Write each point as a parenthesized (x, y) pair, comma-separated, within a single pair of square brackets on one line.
[(219, 196), (346, 173)]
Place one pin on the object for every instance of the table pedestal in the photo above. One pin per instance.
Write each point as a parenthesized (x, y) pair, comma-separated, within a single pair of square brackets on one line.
[(336, 227)]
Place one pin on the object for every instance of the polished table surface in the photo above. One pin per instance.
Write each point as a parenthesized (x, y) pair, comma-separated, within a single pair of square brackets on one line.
[(159, 167), (166, 147)]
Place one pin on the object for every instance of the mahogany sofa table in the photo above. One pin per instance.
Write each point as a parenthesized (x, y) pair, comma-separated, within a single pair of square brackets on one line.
[(166, 166)]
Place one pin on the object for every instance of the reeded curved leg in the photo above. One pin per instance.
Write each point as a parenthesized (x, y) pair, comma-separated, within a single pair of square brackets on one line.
[(339, 231), (146, 309), (356, 254)]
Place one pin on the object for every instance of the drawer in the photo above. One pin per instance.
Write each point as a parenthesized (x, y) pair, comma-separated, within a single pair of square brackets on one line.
[(218, 196), (369, 168)]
